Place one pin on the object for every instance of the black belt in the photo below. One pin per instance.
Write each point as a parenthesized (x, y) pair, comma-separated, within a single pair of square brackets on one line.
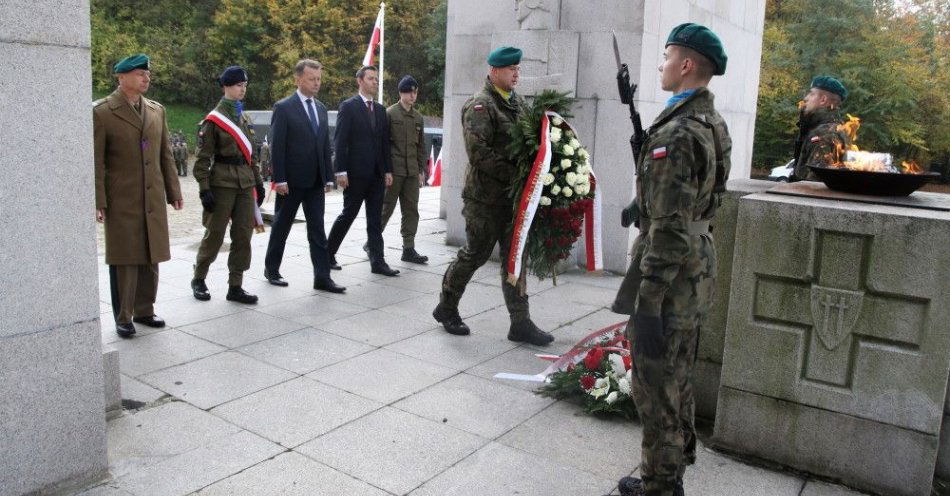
[(220, 159)]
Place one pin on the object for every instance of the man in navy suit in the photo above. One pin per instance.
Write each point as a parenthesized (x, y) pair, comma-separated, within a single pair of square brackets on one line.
[(300, 153), (363, 168)]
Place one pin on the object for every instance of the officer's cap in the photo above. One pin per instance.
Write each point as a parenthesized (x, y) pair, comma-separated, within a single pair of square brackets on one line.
[(701, 39), (232, 75), (830, 84), (408, 84), (504, 56), (130, 63)]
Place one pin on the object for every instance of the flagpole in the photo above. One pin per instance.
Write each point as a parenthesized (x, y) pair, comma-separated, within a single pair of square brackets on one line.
[(382, 47)]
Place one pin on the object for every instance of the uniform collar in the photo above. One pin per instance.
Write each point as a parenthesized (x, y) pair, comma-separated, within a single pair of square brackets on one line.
[(701, 100), (820, 116)]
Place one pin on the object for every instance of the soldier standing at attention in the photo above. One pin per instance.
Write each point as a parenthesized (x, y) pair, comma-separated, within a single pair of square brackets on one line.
[(682, 169), (135, 179), (820, 140), (407, 146), (227, 182), (488, 209)]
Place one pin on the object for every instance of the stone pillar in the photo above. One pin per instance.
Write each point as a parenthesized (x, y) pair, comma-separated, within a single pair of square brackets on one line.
[(568, 46), (837, 349), (52, 404)]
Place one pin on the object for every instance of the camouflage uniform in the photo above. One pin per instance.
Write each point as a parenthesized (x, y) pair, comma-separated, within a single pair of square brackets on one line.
[(220, 167), (820, 141), (681, 173), (488, 211)]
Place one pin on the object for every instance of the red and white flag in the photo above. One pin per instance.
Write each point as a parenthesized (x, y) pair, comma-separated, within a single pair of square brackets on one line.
[(375, 39), (430, 164), (435, 173)]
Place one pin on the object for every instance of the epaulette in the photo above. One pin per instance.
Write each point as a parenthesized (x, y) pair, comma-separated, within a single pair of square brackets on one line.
[(100, 102)]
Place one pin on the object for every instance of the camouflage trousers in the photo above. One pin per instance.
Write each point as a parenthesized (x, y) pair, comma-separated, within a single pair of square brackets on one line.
[(663, 392), (485, 225)]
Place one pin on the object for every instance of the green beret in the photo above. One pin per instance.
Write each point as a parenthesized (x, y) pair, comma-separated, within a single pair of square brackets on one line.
[(130, 63), (831, 84), (504, 56), (701, 39)]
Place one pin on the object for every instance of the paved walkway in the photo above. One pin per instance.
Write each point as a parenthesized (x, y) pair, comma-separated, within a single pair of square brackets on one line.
[(309, 393)]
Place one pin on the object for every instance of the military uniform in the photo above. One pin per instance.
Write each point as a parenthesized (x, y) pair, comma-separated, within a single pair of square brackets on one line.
[(407, 145), (135, 180), (681, 174), (220, 168), (820, 142)]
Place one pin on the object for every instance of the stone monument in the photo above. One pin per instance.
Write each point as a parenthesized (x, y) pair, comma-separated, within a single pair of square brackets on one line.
[(568, 46), (52, 405), (837, 350)]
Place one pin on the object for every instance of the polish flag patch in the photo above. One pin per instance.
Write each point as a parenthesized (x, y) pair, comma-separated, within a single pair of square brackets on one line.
[(815, 139), (478, 107), (659, 152)]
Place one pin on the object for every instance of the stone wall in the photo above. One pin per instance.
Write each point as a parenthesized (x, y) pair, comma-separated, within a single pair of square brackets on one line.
[(52, 405), (568, 46)]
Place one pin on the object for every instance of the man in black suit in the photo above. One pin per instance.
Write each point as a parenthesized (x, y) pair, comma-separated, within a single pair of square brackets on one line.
[(363, 168), (300, 153)]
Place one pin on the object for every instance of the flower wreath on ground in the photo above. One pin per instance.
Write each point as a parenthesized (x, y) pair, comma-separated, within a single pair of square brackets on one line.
[(555, 191)]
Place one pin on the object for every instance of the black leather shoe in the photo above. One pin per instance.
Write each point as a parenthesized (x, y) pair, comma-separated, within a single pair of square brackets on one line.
[(328, 285), (410, 255), (200, 290), (275, 278), (631, 486), (451, 321), (384, 269), (366, 248), (236, 293), (333, 263), (526, 332), (125, 330), (149, 320)]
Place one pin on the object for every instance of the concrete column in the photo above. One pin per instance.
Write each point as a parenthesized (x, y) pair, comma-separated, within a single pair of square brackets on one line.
[(52, 405)]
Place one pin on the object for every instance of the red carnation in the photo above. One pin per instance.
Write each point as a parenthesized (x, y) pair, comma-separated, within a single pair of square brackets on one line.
[(593, 358), (626, 362), (588, 381)]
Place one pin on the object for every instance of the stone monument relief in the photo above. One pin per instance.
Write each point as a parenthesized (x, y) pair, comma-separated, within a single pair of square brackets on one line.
[(550, 55)]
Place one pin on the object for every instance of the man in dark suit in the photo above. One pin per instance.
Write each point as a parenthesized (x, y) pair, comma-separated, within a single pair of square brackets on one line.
[(363, 168), (300, 153)]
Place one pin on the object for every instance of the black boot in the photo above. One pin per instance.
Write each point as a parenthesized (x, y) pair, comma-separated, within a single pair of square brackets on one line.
[(125, 330), (450, 320), (235, 293), (631, 486), (410, 255), (200, 290), (526, 332)]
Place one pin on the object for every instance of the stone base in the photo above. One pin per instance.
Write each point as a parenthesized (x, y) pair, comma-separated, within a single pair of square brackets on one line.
[(863, 454), (706, 387)]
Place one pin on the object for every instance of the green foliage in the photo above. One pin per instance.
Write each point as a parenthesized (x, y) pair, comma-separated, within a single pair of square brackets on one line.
[(566, 385)]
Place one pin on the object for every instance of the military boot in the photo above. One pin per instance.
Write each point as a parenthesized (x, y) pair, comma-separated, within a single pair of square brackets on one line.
[(450, 320), (526, 332), (412, 256), (200, 290), (631, 486), (236, 293)]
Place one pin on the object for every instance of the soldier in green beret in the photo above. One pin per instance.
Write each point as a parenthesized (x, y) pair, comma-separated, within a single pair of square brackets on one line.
[(228, 181), (681, 175), (821, 139), (135, 180), (486, 119)]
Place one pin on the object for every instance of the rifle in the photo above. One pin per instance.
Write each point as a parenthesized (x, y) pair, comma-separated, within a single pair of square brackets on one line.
[(630, 214)]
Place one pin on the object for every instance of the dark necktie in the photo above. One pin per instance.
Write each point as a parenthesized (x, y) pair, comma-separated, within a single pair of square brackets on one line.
[(313, 117), (369, 111)]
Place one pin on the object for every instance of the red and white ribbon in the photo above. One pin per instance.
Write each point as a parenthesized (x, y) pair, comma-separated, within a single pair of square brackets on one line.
[(601, 337), (531, 198), (244, 145)]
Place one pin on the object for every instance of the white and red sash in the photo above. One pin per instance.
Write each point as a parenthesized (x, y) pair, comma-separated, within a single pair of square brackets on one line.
[(531, 198), (244, 144)]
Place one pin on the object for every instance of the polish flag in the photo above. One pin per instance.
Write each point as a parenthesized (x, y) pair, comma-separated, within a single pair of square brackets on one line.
[(435, 176), (375, 39), (430, 164)]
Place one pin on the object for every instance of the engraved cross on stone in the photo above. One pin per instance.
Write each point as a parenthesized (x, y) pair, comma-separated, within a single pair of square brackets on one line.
[(835, 311)]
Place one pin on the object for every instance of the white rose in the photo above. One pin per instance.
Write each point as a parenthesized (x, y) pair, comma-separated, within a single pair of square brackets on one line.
[(555, 135), (611, 398), (557, 121), (574, 143), (582, 153), (566, 163), (570, 178), (581, 169), (567, 151), (547, 179), (583, 189), (624, 386), (555, 189), (616, 364), (567, 191), (545, 201)]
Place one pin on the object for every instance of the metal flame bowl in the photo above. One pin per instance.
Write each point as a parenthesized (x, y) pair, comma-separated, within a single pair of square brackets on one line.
[(871, 183)]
